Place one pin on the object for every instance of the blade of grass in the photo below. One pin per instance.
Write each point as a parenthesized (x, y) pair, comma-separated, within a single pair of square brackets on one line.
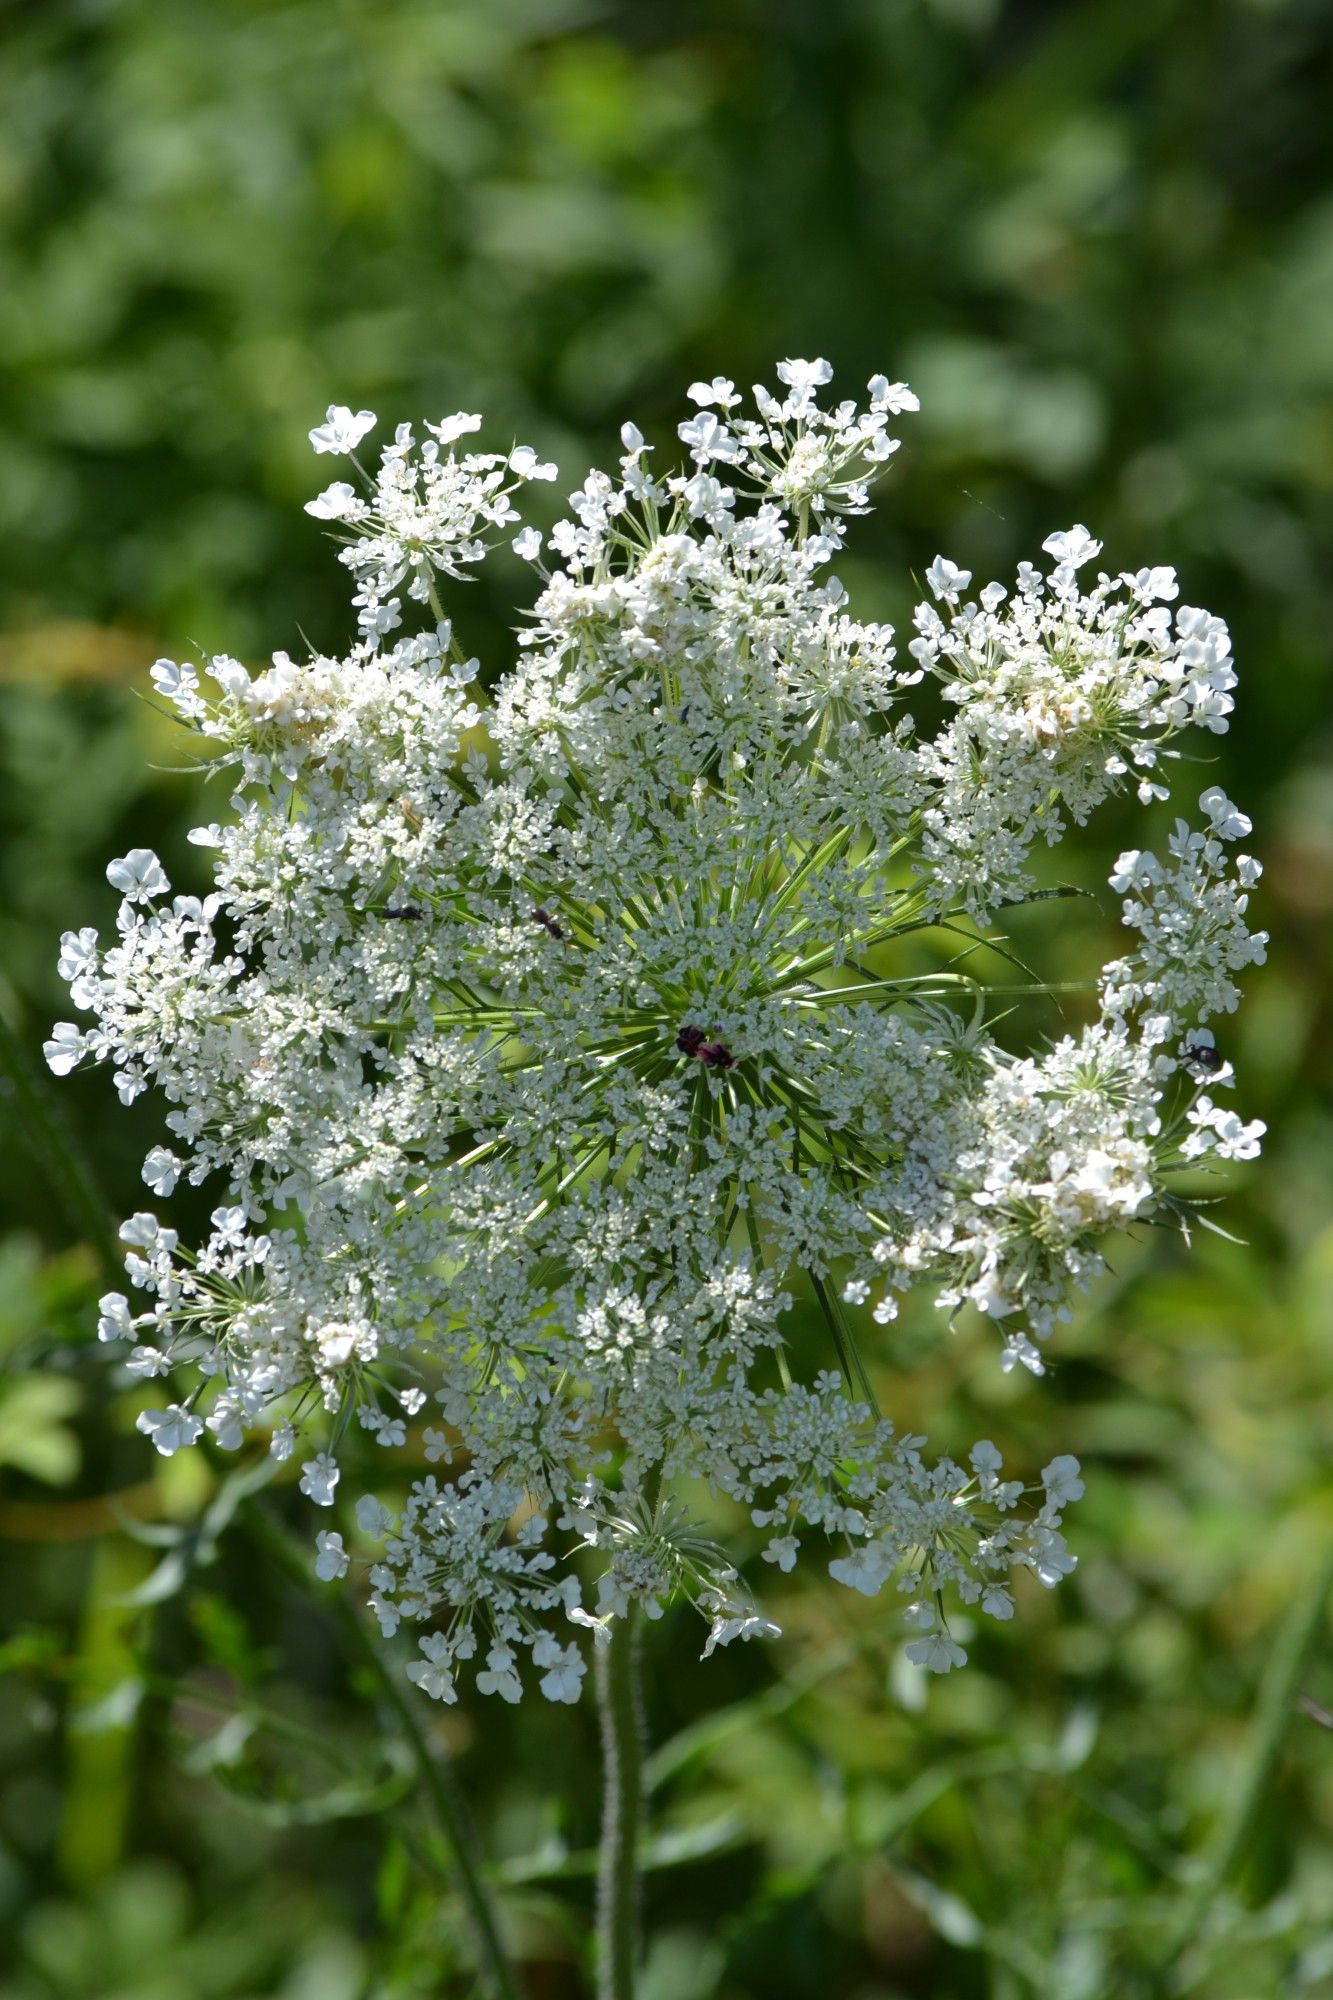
[(1278, 1701), (700, 1737)]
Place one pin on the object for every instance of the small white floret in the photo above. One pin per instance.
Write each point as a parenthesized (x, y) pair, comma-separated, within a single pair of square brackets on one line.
[(331, 1560), (319, 1478), (170, 1430), (342, 429)]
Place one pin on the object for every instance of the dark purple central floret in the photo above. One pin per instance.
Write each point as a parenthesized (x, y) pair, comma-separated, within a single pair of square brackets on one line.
[(693, 1041)]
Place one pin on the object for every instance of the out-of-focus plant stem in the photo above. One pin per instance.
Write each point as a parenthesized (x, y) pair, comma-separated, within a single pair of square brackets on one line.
[(71, 1176), (498, 1977)]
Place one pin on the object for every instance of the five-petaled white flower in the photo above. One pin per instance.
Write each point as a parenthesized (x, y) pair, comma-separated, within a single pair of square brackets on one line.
[(65, 1048), (937, 1653), (1072, 547), (803, 378), (1227, 820), (115, 1321), (946, 580), (161, 1170), (867, 1569), (331, 1559), (342, 430), (892, 397), (498, 1675), (564, 1668), (171, 1429), (708, 438), (450, 429), (719, 391), (432, 1674), (339, 502), (1062, 1481), (139, 875), (319, 1478)]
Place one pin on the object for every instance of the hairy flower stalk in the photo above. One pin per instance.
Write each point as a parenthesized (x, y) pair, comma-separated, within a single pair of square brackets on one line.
[(618, 1698), (544, 1031)]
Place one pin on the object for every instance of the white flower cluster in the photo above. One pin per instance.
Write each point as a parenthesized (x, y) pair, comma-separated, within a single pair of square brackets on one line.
[(541, 1034), (1060, 692)]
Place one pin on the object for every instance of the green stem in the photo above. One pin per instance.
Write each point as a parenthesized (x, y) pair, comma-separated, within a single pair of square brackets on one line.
[(618, 1700), (436, 1773), (1278, 1690)]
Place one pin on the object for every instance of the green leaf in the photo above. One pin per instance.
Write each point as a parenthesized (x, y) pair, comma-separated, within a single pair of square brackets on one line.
[(34, 1436)]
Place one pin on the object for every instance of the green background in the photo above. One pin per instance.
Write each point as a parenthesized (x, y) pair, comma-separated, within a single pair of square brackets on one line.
[(1097, 237)]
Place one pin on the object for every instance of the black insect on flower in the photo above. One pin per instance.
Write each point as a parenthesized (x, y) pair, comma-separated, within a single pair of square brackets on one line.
[(1202, 1058), (405, 913), (696, 1042), (548, 923)]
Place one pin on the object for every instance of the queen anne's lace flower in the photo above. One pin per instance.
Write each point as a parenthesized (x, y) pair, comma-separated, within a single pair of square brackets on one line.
[(541, 1036)]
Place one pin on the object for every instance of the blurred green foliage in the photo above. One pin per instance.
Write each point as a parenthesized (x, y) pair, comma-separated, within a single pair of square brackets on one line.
[(1097, 236)]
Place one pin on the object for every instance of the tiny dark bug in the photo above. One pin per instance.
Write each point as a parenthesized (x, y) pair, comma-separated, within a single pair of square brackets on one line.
[(548, 923), (406, 913), (1203, 1058), (713, 1054)]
